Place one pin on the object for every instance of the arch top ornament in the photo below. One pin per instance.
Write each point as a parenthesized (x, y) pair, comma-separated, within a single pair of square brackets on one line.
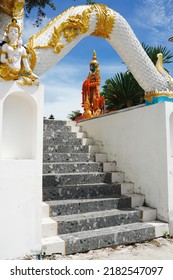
[(105, 21), (76, 25)]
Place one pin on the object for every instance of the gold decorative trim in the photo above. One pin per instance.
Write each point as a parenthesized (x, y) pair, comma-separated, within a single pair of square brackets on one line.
[(25, 56), (105, 22), (31, 53), (72, 27), (13, 8), (51, 23), (149, 95), (69, 29), (2, 52), (30, 44)]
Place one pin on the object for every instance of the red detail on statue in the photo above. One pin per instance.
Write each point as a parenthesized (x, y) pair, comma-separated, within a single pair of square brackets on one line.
[(92, 102)]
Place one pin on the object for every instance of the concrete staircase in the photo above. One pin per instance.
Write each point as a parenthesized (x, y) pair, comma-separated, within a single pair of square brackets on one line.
[(87, 203)]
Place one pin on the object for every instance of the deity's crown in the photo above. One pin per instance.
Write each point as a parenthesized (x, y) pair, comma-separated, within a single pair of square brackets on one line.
[(94, 59), (13, 23)]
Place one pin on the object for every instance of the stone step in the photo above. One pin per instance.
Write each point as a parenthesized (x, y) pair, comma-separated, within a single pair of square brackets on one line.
[(68, 157), (54, 126), (52, 245), (148, 213), (49, 121), (137, 199), (49, 140), (160, 228), (95, 220), (83, 194), (51, 130), (45, 210), (109, 166), (69, 148), (84, 241), (76, 206), (76, 178), (85, 191), (71, 123), (49, 227), (76, 129), (76, 167), (59, 134), (127, 188), (87, 141), (63, 148), (101, 157), (117, 176), (64, 142), (81, 134)]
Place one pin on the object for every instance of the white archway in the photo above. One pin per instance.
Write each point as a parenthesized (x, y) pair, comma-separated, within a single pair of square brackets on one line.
[(54, 41)]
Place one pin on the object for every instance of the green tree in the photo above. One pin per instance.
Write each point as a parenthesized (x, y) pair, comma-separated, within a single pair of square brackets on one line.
[(123, 91), (39, 6), (72, 116), (152, 52)]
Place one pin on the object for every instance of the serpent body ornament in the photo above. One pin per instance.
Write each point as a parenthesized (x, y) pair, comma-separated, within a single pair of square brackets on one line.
[(53, 42)]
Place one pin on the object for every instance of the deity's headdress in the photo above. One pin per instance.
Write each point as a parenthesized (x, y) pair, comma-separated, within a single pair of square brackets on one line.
[(94, 59), (13, 23)]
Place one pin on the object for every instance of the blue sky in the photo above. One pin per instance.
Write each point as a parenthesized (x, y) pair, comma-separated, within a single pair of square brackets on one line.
[(151, 21)]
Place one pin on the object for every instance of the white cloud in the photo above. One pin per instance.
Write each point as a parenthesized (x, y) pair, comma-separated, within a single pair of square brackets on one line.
[(155, 13), (60, 109), (156, 17)]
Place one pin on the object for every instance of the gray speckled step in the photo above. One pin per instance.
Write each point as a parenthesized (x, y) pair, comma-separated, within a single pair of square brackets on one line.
[(95, 220), (63, 148), (76, 178), (77, 167), (50, 130), (85, 191), (90, 211), (76, 206), (68, 157), (63, 140), (55, 126), (112, 236), (58, 122), (58, 134)]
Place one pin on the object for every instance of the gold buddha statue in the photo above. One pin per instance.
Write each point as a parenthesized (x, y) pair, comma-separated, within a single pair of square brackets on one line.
[(91, 92)]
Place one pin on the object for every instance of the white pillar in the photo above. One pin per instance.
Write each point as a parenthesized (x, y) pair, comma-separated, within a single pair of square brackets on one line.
[(21, 131)]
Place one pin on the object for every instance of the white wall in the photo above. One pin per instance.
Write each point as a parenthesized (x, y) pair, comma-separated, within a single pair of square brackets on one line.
[(21, 131), (139, 140)]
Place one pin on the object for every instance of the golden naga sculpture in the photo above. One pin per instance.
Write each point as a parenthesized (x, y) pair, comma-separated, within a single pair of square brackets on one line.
[(14, 59), (92, 102)]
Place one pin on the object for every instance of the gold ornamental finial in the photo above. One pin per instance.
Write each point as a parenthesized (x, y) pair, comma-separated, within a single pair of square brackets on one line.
[(94, 58)]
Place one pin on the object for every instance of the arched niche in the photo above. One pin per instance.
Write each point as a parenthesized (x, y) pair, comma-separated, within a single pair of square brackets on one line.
[(19, 127), (171, 134)]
